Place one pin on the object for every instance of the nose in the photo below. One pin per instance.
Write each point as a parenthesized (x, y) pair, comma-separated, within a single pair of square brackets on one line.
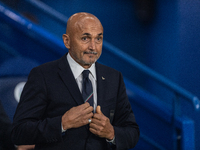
[(92, 45)]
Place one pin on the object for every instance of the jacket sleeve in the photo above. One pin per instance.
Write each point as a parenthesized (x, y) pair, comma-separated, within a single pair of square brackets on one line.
[(125, 126), (29, 124)]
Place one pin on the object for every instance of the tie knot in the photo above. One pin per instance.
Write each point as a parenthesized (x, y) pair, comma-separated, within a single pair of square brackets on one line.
[(85, 73)]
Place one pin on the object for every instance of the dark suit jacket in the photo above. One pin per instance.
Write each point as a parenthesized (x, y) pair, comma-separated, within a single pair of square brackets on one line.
[(5, 131), (51, 90)]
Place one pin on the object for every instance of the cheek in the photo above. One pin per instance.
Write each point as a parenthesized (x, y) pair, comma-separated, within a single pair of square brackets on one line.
[(78, 49), (99, 49), (81, 47)]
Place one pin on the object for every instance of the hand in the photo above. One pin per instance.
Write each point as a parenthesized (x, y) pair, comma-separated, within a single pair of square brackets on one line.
[(25, 147), (77, 116), (101, 125)]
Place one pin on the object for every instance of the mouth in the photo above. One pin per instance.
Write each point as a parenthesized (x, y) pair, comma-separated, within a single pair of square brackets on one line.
[(93, 53)]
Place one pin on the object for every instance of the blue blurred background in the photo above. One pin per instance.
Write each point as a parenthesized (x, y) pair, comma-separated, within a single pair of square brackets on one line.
[(154, 43)]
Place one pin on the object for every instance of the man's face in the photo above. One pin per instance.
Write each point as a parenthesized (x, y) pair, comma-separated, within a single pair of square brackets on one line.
[(85, 44)]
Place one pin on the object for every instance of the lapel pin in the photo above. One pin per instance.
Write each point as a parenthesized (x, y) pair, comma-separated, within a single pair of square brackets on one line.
[(103, 78)]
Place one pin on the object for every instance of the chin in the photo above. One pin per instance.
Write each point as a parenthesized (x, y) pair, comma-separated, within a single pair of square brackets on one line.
[(90, 61)]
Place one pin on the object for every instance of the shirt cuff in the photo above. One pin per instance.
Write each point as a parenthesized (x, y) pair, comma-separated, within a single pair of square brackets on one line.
[(62, 128), (111, 141)]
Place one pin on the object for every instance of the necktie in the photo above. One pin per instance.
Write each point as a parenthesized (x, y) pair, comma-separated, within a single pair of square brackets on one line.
[(87, 90)]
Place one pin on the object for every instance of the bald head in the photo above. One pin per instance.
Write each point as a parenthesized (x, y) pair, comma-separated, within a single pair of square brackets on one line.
[(84, 38), (79, 19)]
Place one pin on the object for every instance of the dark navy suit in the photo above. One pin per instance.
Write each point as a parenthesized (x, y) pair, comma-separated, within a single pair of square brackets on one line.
[(51, 90)]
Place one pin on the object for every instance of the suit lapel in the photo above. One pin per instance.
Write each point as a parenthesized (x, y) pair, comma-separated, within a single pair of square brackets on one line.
[(69, 80), (101, 84)]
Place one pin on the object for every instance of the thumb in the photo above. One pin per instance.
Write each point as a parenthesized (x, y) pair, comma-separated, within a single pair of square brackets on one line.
[(98, 110)]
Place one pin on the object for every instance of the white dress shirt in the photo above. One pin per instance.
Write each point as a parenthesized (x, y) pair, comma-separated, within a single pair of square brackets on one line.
[(77, 72)]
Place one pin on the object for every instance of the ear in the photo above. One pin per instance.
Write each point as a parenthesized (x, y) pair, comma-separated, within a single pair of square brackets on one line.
[(66, 40)]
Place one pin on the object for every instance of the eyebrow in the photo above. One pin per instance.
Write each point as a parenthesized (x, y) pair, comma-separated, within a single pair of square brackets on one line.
[(90, 34)]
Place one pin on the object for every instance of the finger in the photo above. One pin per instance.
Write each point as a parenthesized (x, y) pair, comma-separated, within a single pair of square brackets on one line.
[(88, 109), (85, 105), (98, 110), (85, 108), (93, 131), (98, 116), (89, 116), (94, 126), (96, 121)]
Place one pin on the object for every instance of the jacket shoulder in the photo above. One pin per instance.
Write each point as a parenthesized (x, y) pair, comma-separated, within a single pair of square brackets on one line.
[(107, 69), (52, 65)]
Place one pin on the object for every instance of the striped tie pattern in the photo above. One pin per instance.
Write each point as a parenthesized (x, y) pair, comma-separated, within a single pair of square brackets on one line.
[(87, 90)]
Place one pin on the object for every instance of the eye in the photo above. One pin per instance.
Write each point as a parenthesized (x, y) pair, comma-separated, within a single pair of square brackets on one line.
[(99, 39), (84, 38)]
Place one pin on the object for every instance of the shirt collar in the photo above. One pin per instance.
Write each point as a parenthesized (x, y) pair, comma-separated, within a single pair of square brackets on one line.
[(78, 69)]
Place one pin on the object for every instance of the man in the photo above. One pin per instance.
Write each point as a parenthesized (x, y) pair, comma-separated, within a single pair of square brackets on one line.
[(52, 112)]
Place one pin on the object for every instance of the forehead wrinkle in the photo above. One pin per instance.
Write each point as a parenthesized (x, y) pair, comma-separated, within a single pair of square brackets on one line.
[(93, 25), (77, 22), (88, 34)]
